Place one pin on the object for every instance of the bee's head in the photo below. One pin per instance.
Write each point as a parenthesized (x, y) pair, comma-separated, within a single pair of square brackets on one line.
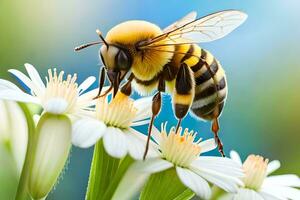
[(116, 59)]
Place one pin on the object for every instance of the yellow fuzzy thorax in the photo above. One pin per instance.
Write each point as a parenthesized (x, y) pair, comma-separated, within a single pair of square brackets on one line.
[(146, 63)]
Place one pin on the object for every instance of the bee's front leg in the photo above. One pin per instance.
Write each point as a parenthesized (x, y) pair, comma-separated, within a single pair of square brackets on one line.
[(184, 92), (126, 88), (101, 82)]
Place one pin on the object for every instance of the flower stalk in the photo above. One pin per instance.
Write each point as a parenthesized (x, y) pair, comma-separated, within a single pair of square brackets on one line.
[(105, 174), (103, 169), (165, 185)]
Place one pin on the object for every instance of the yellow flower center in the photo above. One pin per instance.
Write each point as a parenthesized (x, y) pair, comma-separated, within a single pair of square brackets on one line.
[(255, 168), (60, 95), (179, 148), (119, 112)]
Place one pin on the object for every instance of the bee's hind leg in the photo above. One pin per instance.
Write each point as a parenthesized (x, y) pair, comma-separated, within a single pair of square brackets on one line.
[(215, 129)]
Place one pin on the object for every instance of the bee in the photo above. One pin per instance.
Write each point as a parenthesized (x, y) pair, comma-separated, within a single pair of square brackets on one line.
[(170, 60)]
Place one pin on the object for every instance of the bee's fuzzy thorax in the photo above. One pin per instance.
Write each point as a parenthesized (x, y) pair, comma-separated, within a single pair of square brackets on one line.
[(146, 63), (131, 32)]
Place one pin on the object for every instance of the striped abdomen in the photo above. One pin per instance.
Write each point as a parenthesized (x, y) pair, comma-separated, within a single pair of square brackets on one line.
[(210, 86)]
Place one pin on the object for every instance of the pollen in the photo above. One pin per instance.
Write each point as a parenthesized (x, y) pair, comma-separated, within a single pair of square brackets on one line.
[(119, 112), (255, 168), (179, 148), (60, 95)]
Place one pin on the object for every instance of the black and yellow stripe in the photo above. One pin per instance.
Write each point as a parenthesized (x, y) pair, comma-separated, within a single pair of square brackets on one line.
[(207, 96), (211, 87), (210, 81)]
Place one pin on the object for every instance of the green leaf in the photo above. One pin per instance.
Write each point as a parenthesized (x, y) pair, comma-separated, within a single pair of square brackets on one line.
[(22, 191), (103, 169), (165, 185), (123, 167)]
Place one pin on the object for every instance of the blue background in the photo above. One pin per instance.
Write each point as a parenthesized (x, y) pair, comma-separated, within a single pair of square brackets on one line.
[(261, 60)]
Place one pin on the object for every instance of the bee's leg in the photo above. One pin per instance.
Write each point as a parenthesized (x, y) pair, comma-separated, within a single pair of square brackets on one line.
[(126, 88), (184, 93), (101, 82), (215, 129), (156, 106)]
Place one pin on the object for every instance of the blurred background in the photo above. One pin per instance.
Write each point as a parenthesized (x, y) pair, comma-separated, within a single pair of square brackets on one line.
[(261, 59)]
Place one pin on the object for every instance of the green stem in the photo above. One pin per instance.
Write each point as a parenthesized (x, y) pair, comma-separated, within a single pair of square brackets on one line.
[(124, 165), (22, 192), (216, 192), (165, 186), (185, 195), (103, 169)]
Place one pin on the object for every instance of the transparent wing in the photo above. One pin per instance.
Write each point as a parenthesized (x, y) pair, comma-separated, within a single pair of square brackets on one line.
[(206, 29), (186, 19)]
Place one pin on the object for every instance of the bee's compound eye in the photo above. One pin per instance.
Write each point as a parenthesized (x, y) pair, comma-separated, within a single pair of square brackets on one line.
[(123, 60)]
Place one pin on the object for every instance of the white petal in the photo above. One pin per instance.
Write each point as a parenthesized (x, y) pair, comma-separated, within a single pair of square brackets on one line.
[(34, 76), (281, 192), (283, 180), (247, 194), (273, 166), (153, 165), (25, 80), (86, 132), (220, 164), (236, 157), (156, 135), (137, 143), (87, 97), (86, 84), (14, 95), (144, 107), (194, 182), (267, 196), (140, 123), (225, 179), (115, 142), (4, 84), (207, 145)]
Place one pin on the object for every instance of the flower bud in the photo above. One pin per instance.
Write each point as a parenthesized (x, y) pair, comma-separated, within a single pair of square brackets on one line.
[(51, 146), (14, 131)]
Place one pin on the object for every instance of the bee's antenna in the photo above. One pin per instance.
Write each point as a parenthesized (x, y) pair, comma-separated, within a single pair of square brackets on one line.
[(101, 37), (86, 45)]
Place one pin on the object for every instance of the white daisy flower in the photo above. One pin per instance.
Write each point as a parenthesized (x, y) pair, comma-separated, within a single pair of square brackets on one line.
[(61, 100), (57, 96), (114, 121), (258, 185), (181, 151)]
